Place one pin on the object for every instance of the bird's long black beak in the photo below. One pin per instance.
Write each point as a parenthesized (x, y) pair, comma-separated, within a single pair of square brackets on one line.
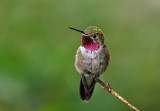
[(77, 30)]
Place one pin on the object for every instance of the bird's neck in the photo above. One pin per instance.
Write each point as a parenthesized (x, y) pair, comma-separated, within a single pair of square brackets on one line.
[(88, 43)]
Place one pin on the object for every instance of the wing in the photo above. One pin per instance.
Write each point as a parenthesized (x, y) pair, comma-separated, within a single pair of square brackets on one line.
[(105, 58), (80, 61)]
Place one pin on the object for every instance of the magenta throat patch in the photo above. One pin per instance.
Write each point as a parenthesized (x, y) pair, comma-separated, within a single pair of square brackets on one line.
[(88, 43)]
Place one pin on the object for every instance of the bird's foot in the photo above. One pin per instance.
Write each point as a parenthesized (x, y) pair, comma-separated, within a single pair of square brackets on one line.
[(96, 78)]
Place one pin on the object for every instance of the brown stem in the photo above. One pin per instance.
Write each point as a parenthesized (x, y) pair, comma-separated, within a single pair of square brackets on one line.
[(108, 88)]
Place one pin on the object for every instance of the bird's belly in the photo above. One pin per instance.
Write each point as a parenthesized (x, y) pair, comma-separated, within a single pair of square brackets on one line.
[(92, 61), (94, 65)]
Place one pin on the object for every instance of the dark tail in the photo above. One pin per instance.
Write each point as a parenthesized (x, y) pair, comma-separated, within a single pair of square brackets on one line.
[(86, 87)]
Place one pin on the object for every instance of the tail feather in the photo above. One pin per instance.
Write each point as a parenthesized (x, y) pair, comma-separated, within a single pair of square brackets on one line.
[(86, 89)]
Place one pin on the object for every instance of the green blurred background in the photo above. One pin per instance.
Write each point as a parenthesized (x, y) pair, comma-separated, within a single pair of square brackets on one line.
[(37, 53)]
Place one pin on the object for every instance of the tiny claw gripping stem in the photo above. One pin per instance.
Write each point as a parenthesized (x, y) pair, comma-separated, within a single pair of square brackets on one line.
[(96, 78)]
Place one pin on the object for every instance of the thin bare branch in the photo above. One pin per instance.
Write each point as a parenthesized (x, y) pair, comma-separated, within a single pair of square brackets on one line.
[(108, 88)]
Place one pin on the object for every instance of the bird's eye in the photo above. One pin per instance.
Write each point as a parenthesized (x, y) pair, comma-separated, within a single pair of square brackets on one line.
[(94, 36)]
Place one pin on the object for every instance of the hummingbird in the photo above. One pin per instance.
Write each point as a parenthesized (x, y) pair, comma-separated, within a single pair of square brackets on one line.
[(92, 57)]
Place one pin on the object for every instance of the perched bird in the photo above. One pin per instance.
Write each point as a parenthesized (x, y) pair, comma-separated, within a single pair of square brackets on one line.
[(92, 58)]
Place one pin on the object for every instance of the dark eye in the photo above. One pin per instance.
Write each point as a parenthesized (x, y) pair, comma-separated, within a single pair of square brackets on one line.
[(94, 36)]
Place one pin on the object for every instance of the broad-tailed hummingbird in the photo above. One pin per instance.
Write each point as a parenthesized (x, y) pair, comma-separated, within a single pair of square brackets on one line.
[(92, 57)]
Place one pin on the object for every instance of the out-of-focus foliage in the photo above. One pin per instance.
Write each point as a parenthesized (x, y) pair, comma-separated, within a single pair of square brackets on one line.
[(37, 52)]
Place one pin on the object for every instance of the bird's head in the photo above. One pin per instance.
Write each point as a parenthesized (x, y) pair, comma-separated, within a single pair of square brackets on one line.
[(92, 37), (95, 34)]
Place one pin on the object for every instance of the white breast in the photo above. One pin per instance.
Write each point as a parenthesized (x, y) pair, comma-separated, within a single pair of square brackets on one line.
[(90, 54)]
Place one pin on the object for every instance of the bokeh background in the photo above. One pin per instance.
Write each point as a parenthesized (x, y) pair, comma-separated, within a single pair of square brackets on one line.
[(37, 53)]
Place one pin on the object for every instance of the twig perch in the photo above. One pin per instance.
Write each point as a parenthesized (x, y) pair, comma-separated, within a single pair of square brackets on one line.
[(108, 88)]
